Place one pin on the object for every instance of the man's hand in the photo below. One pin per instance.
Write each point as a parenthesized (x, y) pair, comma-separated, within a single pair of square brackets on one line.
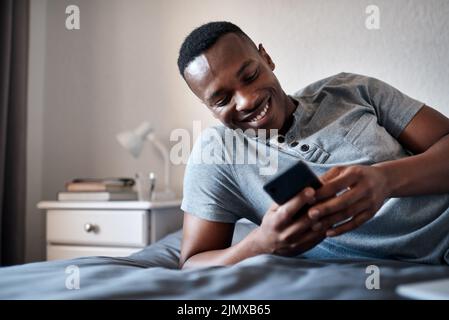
[(364, 190), (282, 233)]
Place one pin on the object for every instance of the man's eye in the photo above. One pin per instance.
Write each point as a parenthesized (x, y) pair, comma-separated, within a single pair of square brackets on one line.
[(251, 77), (222, 102)]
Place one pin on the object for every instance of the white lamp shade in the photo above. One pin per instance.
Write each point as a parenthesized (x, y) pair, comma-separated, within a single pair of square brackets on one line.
[(133, 140)]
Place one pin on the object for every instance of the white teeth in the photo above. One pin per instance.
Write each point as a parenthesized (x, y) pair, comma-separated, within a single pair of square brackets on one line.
[(261, 114)]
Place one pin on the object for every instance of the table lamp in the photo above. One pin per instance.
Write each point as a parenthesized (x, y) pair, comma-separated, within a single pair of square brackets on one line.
[(134, 140)]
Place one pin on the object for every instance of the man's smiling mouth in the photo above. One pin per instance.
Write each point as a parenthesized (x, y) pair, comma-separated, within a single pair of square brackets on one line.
[(261, 113)]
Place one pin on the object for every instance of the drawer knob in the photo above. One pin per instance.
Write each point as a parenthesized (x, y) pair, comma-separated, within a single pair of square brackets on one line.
[(90, 227)]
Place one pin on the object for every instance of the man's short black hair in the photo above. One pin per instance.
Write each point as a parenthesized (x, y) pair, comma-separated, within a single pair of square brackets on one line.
[(204, 37)]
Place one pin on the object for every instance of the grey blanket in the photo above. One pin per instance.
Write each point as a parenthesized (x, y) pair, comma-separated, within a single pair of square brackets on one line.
[(153, 274)]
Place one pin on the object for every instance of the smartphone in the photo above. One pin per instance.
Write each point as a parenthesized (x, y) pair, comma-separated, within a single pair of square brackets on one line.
[(288, 183)]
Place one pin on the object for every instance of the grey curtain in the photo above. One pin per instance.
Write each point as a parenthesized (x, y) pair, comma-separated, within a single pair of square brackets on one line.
[(14, 21)]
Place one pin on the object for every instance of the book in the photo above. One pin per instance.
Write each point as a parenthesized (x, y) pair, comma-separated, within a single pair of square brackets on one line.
[(97, 196), (90, 186), (105, 184)]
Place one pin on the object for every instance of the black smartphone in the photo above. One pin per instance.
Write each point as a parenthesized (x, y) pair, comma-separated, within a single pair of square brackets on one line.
[(288, 183)]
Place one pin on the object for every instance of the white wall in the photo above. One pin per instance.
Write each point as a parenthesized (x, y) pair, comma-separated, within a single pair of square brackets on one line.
[(120, 68)]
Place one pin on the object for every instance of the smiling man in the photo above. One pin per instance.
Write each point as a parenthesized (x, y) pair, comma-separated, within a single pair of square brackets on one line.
[(380, 155)]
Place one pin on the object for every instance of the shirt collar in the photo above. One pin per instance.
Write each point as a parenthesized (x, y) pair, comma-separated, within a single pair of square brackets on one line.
[(293, 132)]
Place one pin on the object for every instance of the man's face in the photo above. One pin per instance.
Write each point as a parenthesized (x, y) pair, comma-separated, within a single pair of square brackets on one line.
[(236, 82)]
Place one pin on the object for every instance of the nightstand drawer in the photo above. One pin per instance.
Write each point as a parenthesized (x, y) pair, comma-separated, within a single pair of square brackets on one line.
[(98, 227), (58, 252)]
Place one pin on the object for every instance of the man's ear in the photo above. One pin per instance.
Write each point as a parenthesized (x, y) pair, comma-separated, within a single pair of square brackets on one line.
[(266, 57)]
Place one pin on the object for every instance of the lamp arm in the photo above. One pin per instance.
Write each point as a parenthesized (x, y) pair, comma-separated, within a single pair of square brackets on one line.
[(165, 154)]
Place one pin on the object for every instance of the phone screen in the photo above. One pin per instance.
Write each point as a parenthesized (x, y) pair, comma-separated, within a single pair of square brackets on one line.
[(288, 183)]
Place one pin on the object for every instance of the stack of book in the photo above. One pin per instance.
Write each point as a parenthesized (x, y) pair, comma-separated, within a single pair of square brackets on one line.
[(107, 189)]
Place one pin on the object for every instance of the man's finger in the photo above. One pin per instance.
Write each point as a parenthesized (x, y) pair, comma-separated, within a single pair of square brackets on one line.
[(297, 229), (353, 210), (330, 174), (291, 207), (336, 204), (309, 240), (336, 185), (351, 225), (274, 206)]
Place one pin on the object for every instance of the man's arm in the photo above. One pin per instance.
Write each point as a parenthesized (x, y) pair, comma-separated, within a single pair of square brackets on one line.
[(207, 243), (427, 172)]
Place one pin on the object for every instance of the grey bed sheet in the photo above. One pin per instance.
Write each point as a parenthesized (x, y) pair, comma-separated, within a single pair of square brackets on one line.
[(152, 273)]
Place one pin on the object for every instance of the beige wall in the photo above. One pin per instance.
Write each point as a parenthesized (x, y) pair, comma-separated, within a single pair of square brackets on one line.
[(120, 68)]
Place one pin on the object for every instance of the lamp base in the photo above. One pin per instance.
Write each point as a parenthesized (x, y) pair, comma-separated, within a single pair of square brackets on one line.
[(165, 195)]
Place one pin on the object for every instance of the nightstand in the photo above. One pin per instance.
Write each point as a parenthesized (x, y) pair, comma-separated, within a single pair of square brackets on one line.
[(106, 228)]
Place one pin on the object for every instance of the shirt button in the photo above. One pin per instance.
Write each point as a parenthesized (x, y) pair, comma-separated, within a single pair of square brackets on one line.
[(294, 144), (305, 147)]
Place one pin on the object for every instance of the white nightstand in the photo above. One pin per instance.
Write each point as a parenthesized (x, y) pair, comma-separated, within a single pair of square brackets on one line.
[(109, 228)]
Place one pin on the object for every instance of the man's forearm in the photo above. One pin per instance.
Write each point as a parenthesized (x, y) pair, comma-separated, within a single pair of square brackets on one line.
[(246, 248), (425, 173)]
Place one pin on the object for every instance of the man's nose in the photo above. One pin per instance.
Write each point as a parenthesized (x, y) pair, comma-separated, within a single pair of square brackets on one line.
[(245, 101)]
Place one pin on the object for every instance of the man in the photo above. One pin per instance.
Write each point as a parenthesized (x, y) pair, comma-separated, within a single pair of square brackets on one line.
[(381, 156)]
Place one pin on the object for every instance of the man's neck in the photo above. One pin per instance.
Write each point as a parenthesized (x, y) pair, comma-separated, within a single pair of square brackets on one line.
[(292, 104)]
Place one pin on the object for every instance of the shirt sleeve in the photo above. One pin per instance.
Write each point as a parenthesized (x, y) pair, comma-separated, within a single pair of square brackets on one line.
[(393, 108), (211, 191)]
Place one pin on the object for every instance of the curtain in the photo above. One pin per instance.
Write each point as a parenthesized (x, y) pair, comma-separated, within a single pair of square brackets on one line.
[(14, 22)]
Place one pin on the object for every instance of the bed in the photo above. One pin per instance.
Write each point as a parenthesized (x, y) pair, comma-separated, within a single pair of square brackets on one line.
[(153, 273)]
